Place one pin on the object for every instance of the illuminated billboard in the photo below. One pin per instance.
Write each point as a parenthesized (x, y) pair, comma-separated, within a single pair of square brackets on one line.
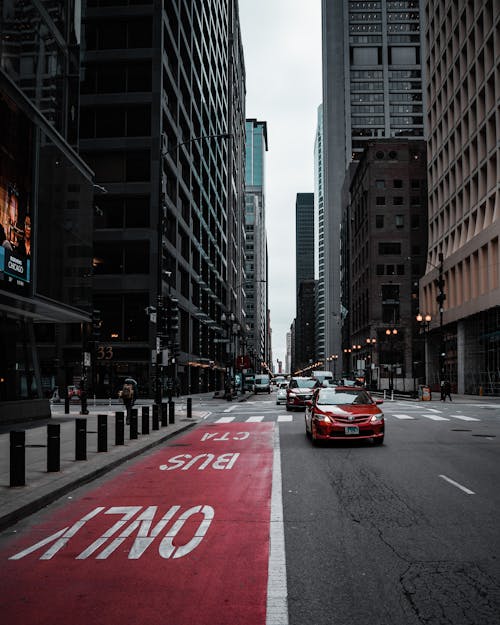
[(16, 225)]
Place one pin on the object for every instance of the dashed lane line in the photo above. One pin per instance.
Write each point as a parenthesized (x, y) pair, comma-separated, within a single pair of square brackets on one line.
[(285, 418), (256, 419)]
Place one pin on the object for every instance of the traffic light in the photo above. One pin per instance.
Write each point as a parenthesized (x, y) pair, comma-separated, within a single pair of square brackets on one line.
[(172, 316), (96, 324)]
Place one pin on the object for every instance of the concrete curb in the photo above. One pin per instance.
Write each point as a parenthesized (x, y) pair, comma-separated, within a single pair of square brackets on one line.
[(52, 494)]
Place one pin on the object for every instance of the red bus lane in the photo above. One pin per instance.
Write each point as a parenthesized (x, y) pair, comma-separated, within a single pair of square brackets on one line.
[(180, 537)]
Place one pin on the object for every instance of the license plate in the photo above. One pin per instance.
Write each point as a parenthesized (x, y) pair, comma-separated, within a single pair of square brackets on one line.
[(351, 429)]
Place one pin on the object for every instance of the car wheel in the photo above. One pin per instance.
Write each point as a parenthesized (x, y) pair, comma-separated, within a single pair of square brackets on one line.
[(308, 434), (378, 441), (314, 440), (288, 409)]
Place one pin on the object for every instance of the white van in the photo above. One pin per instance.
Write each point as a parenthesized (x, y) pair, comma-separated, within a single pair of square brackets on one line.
[(325, 377), (262, 383)]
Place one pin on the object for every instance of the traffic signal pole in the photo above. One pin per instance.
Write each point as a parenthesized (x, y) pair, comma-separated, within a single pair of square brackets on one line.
[(441, 297)]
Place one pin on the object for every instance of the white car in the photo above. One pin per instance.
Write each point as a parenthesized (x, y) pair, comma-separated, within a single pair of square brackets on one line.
[(281, 396)]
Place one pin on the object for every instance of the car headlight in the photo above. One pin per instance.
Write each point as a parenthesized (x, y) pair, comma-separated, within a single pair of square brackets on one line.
[(377, 417), (291, 394), (323, 418)]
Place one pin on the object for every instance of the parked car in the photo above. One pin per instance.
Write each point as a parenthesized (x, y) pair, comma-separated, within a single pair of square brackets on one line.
[(262, 383), (73, 393), (299, 391), (344, 413), (281, 396)]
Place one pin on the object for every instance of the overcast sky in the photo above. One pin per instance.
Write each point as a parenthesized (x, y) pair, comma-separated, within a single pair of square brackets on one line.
[(282, 49)]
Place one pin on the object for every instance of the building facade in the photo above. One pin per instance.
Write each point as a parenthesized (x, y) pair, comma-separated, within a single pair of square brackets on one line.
[(256, 288), (372, 88), (319, 239), (162, 125), (387, 250), (305, 348), (463, 99), (45, 208)]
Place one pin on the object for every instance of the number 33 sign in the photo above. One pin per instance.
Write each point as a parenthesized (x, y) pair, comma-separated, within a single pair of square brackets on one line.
[(104, 352)]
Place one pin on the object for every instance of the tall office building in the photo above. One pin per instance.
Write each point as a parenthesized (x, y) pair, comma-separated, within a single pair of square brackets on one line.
[(463, 99), (256, 288), (319, 238), (372, 87), (163, 94), (45, 207), (305, 349)]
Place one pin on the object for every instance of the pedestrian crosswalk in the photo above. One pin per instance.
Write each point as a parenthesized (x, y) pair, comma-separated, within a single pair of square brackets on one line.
[(287, 418)]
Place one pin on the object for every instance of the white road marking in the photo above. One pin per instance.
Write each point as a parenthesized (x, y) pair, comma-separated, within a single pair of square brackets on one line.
[(402, 416), (277, 593), (255, 419), (463, 488), (434, 417), (285, 417), (434, 410), (225, 420), (463, 418), (230, 409)]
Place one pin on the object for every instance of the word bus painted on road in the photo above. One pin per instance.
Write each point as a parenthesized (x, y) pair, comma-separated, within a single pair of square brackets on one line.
[(184, 462)]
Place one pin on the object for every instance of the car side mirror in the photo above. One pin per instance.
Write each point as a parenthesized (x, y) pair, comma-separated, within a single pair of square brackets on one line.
[(309, 403), (379, 401)]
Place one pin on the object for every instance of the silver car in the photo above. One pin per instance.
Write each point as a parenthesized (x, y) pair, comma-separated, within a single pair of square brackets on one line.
[(281, 396)]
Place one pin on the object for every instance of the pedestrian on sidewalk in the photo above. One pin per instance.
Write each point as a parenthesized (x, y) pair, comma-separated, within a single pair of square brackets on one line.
[(445, 390), (128, 396)]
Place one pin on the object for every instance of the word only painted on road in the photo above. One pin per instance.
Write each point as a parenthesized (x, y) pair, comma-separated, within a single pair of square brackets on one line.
[(215, 436), (143, 528), (184, 462)]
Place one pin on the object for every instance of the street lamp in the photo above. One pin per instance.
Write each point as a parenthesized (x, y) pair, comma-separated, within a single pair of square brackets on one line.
[(370, 342), (425, 321), (160, 271), (334, 357), (391, 334)]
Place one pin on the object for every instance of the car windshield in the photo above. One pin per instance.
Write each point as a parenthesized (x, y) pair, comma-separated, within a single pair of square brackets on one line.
[(331, 396), (306, 383)]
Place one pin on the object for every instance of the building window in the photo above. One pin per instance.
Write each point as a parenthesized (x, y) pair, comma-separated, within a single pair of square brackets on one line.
[(380, 200), (380, 184), (380, 270), (389, 248), (397, 184), (397, 200), (399, 221), (379, 221)]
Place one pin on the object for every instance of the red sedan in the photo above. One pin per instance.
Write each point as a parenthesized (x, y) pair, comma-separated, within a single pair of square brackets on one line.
[(342, 413)]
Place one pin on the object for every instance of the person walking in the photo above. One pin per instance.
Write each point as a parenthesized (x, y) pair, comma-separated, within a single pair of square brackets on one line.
[(446, 392), (128, 395)]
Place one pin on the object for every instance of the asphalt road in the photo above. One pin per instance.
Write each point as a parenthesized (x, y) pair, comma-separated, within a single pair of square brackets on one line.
[(403, 534), (407, 533)]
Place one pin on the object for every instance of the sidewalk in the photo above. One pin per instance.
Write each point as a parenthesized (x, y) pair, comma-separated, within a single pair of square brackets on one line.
[(43, 488), (436, 398)]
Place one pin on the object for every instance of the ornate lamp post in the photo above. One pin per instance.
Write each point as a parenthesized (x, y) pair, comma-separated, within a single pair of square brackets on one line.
[(370, 342), (347, 352), (391, 334), (424, 321)]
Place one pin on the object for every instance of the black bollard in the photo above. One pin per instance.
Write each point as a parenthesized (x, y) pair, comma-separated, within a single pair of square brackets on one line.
[(189, 407), (102, 432), (156, 423), (133, 423), (171, 412), (17, 458), (119, 428), (66, 403), (164, 415), (145, 420), (80, 439), (53, 447)]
